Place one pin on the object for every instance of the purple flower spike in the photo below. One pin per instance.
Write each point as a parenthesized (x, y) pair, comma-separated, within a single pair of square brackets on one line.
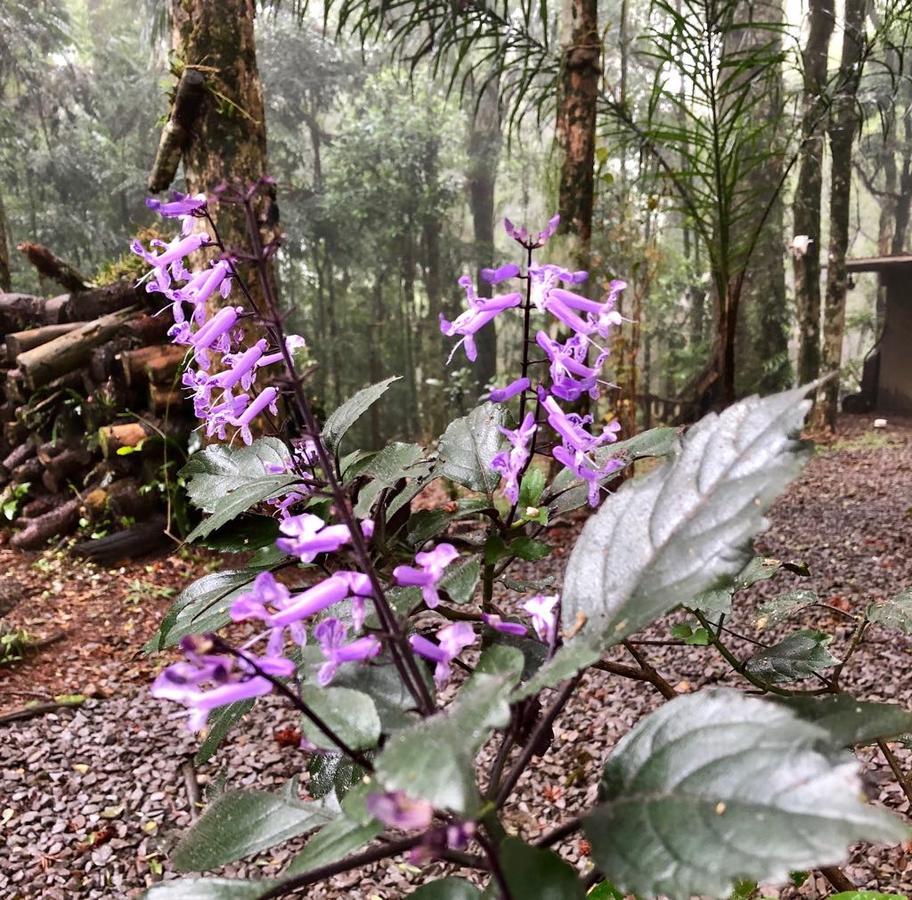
[(501, 625), (453, 640), (544, 618), (397, 810), (432, 564), (495, 276), (510, 463), (500, 395), (331, 635)]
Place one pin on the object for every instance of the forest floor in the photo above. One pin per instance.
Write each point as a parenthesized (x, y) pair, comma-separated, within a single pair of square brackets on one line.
[(93, 796)]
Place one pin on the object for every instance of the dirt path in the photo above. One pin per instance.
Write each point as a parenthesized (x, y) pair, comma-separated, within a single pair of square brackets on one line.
[(93, 798)]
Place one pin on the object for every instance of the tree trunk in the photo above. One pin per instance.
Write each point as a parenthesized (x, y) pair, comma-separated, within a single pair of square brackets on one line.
[(5, 274), (806, 205), (228, 140), (841, 130), (578, 96), (481, 174)]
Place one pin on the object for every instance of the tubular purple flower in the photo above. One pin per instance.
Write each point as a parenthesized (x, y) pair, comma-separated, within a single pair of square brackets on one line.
[(518, 233), (453, 639), (500, 395), (312, 601), (173, 252), (432, 564), (549, 230), (502, 273), (544, 618), (563, 313), (182, 206), (330, 634), (264, 399), (308, 536), (503, 626), (510, 463), (221, 323), (570, 376), (468, 323), (396, 809), (242, 367)]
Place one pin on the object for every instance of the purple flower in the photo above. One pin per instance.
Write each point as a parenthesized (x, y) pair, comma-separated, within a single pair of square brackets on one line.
[(544, 617), (339, 586), (510, 463), (331, 635), (503, 626), (570, 375), (431, 565), (308, 536), (520, 234), (453, 639), (182, 206), (480, 312), (266, 398), (396, 809), (495, 276), (186, 682), (570, 427), (600, 317), (242, 369), (588, 469), (499, 395), (265, 591), (175, 252)]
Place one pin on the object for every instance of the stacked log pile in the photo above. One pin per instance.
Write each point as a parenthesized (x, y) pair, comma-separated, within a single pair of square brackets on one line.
[(87, 379)]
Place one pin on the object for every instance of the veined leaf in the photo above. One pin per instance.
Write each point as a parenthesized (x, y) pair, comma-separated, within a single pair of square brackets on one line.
[(467, 447), (219, 469), (239, 823), (776, 611), (351, 715), (341, 419), (798, 656), (231, 505), (435, 759), (662, 539), (208, 889), (895, 613), (851, 722), (716, 787)]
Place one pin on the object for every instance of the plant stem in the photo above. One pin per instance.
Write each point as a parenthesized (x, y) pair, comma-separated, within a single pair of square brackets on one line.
[(384, 851), (854, 644), (901, 778), (494, 863), (400, 650), (559, 833), (543, 724), (299, 704)]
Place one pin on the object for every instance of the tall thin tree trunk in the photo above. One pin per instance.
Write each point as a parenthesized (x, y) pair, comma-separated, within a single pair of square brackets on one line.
[(579, 82), (484, 144), (806, 205), (841, 129), (228, 141), (5, 275)]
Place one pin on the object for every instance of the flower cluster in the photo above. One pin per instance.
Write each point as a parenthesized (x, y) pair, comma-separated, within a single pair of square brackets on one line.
[(223, 390), (572, 373), (331, 614)]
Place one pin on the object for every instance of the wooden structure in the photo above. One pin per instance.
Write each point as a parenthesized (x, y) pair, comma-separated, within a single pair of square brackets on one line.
[(886, 382)]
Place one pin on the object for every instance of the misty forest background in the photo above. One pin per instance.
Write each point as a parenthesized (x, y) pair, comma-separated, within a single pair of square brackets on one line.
[(684, 141)]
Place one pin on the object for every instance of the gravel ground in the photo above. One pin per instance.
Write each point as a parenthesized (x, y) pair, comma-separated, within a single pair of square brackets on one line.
[(93, 798)]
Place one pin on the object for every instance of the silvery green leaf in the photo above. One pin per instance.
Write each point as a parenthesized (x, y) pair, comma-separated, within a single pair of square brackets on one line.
[(208, 889), (239, 823), (434, 760), (717, 787), (664, 538), (798, 656), (468, 446), (351, 714), (341, 419), (777, 610), (851, 722), (895, 613), (219, 469)]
